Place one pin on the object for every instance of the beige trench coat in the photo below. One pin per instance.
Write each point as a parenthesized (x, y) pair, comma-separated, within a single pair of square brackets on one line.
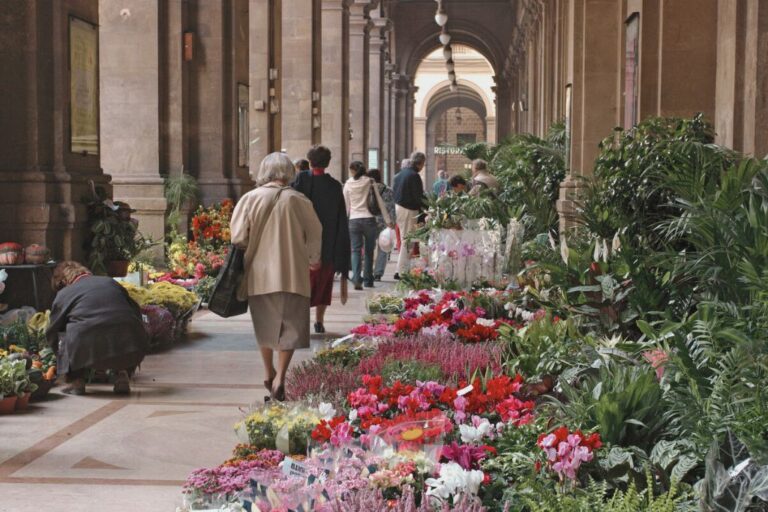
[(290, 241)]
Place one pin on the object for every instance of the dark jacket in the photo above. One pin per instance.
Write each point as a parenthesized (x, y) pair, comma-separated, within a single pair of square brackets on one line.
[(94, 321), (327, 197), (409, 189)]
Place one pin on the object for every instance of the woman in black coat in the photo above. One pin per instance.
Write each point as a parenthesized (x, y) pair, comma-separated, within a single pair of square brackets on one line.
[(327, 197), (94, 325)]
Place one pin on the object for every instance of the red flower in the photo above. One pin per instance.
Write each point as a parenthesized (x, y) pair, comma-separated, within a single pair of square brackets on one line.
[(322, 432)]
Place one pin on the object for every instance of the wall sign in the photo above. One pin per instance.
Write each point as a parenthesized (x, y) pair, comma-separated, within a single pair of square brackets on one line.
[(83, 87)]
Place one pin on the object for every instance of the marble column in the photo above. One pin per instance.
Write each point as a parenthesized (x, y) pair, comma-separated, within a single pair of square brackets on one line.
[(503, 123), (296, 68), (755, 130), (259, 118), (401, 119), (359, 25), (394, 152), (42, 180), (334, 99), (410, 106), (375, 90), (130, 109)]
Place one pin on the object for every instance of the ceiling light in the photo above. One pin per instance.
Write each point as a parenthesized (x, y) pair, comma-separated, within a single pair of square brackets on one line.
[(441, 18), (445, 37), (452, 76), (447, 53), (454, 87), (450, 66)]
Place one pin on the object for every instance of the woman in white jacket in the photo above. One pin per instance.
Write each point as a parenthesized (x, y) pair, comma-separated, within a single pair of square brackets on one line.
[(363, 229)]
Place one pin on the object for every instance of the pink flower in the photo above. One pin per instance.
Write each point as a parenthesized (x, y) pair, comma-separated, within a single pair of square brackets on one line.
[(342, 434), (657, 358)]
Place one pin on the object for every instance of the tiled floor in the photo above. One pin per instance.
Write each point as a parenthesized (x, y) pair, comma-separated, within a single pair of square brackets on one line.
[(100, 452)]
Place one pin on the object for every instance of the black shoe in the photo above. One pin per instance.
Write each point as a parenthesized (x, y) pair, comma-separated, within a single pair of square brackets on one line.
[(397, 276), (377, 278), (369, 284), (358, 287), (319, 328)]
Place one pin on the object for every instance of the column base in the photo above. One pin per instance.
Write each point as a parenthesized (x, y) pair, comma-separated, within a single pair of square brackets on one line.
[(567, 204), (47, 208), (215, 190), (146, 195)]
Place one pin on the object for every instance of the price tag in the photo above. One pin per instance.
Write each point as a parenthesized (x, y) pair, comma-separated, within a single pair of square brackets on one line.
[(465, 390)]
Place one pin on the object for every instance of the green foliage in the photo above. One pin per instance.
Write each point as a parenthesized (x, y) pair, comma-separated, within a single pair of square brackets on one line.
[(408, 372), (621, 400), (479, 150), (180, 190), (530, 171), (544, 346), (639, 172), (344, 356), (733, 481)]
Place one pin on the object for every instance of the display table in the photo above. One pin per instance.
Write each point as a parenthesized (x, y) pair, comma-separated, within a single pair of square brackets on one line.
[(29, 285)]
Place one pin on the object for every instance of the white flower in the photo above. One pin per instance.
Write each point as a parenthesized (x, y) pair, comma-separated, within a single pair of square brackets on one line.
[(616, 244), (422, 309), (471, 434), (352, 415), (326, 410), (485, 322), (454, 481), (3, 275)]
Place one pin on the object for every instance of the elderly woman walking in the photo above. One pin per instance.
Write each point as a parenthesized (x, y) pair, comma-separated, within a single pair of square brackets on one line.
[(281, 234), (94, 325)]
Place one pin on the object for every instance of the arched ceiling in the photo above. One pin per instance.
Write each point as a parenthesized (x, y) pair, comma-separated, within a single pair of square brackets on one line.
[(467, 90), (481, 24), (466, 97)]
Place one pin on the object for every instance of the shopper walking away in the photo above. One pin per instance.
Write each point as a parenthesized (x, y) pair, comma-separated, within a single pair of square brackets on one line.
[(282, 237), (94, 325), (362, 198), (327, 198), (302, 168), (457, 185), (409, 201), (389, 199)]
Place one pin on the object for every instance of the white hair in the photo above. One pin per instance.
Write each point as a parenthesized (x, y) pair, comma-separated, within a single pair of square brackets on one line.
[(405, 164), (276, 167), (442, 174)]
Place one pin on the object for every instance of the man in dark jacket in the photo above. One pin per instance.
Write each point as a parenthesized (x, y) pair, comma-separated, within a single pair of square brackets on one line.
[(327, 197), (409, 201)]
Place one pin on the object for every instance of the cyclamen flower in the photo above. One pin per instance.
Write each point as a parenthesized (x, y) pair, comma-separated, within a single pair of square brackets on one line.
[(475, 433), (515, 411), (485, 322), (466, 456), (342, 434), (454, 481), (565, 452)]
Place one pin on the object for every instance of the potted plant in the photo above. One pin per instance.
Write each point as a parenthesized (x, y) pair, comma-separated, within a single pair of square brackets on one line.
[(114, 239), (22, 385), (7, 395)]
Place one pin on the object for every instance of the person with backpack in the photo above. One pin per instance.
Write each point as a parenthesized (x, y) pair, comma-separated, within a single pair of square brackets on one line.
[(388, 196), (364, 203)]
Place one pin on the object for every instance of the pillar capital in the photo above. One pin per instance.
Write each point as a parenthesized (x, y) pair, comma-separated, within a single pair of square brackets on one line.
[(335, 5)]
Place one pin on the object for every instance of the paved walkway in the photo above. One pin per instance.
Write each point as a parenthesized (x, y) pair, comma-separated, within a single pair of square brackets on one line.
[(102, 452)]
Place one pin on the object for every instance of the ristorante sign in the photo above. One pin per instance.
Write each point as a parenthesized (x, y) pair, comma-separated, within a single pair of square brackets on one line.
[(447, 150)]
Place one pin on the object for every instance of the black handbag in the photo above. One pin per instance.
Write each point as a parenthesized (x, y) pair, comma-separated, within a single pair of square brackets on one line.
[(224, 301), (373, 202)]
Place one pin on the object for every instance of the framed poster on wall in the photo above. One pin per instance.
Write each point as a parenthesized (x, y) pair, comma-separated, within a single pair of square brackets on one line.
[(83, 87)]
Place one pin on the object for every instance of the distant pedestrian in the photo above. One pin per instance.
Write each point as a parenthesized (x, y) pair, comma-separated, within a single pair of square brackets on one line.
[(482, 179), (302, 167), (327, 197), (363, 231), (441, 185), (389, 199), (409, 201), (457, 185)]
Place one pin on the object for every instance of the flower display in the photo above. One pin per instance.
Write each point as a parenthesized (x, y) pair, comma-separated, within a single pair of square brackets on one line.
[(204, 253), (453, 482), (566, 451)]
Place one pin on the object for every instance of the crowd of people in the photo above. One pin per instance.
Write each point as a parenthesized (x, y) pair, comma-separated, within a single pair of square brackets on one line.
[(299, 228)]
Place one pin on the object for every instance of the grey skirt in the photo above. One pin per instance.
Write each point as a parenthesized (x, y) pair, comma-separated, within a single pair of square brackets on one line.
[(280, 320)]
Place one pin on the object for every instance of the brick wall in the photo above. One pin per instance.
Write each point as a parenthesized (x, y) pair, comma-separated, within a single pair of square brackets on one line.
[(471, 123)]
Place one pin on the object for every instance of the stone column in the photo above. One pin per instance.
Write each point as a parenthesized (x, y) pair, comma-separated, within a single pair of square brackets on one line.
[(359, 24), (296, 69), (375, 90), (756, 80), (394, 153), (259, 16), (41, 180), (420, 134), (130, 108), (401, 120), (335, 86), (595, 72), (409, 116), (503, 122), (386, 146)]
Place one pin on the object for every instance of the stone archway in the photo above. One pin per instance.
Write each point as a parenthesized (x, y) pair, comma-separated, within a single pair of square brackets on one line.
[(441, 126)]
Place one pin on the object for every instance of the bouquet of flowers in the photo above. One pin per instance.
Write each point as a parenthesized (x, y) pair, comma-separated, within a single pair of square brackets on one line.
[(275, 426)]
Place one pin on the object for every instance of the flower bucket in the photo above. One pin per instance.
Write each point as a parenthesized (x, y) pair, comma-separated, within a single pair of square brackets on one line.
[(8, 404), (22, 402)]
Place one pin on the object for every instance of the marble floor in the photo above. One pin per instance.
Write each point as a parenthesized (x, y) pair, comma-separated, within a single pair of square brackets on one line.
[(119, 454)]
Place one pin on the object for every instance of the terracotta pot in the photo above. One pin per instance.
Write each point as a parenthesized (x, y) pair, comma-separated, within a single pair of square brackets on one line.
[(117, 268), (23, 401), (36, 254), (8, 404), (11, 253)]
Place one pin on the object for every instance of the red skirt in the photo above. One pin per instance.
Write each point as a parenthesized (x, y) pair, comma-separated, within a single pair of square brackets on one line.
[(322, 285)]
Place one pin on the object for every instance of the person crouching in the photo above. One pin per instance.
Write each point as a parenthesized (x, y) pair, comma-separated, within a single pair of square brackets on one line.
[(94, 325)]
